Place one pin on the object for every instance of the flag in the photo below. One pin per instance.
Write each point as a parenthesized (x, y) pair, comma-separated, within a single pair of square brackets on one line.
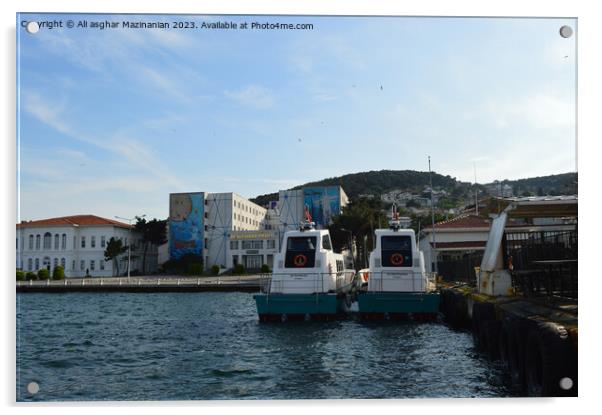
[(307, 214)]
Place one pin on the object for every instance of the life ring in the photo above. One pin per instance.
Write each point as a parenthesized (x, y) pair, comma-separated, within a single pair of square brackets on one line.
[(397, 259), (299, 260)]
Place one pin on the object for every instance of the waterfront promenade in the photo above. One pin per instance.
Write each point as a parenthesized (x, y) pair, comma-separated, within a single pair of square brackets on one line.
[(163, 283)]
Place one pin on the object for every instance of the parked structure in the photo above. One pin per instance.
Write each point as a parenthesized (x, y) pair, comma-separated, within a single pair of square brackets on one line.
[(77, 243)]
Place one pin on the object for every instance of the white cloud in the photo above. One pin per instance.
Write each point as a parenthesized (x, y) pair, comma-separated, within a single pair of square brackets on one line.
[(253, 96), (540, 109), (129, 148)]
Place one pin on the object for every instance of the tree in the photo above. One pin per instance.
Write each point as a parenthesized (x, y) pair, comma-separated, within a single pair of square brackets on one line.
[(358, 221), (58, 273), (114, 249), (153, 233)]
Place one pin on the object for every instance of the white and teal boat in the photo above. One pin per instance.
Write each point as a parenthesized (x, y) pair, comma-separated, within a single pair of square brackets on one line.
[(398, 286), (309, 279)]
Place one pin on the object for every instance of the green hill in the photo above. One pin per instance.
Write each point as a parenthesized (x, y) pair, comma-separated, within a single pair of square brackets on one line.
[(378, 182)]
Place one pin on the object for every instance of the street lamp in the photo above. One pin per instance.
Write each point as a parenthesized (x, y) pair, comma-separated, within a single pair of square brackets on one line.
[(130, 244)]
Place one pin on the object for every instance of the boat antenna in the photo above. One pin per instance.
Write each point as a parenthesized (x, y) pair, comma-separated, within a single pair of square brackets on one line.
[(394, 223), (307, 223), (433, 217)]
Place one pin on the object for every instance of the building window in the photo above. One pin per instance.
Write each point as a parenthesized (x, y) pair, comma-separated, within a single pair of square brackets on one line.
[(64, 242), (29, 264), (63, 263), (101, 263), (233, 244), (56, 242), (271, 244), (74, 242), (31, 242), (38, 242), (103, 241), (83, 241), (92, 265), (73, 265), (82, 265), (37, 264), (55, 263), (93, 241), (47, 240)]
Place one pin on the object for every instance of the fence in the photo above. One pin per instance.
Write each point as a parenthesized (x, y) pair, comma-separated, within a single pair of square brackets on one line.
[(543, 263), (460, 270)]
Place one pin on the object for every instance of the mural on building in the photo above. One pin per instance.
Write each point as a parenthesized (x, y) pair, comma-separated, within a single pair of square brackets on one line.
[(186, 232), (323, 203)]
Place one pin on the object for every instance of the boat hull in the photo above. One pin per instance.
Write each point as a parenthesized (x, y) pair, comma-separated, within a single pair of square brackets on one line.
[(398, 305), (278, 307)]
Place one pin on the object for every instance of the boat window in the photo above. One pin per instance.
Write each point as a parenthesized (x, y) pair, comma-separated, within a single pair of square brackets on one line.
[(300, 252), (396, 251), (302, 243), (326, 242)]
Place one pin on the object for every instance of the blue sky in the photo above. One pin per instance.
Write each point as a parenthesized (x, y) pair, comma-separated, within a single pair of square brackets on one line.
[(111, 121)]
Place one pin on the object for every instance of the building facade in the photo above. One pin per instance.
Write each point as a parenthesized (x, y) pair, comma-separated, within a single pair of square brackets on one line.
[(216, 225), (77, 243), (201, 223), (253, 249)]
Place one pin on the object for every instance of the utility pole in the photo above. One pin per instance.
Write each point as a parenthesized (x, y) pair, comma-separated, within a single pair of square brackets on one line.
[(130, 241), (433, 218)]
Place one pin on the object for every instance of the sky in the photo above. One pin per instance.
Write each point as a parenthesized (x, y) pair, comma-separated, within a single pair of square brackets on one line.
[(111, 121)]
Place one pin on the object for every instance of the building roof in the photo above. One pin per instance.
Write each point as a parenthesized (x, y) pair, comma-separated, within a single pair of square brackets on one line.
[(75, 220), (462, 221)]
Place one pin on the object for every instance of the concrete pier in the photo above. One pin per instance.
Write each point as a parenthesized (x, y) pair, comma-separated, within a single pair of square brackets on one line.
[(534, 338)]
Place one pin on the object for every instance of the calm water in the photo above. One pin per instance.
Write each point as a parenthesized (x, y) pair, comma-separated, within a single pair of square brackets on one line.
[(210, 346)]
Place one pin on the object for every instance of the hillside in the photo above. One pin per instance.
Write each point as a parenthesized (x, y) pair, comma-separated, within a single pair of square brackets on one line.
[(557, 184), (378, 182)]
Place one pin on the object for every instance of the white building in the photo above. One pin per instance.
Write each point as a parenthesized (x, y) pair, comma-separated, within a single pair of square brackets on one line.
[(200, 223), (77, 243), (253, 249), (205, 224)]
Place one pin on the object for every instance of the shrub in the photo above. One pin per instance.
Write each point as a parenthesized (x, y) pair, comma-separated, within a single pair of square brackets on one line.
[(58, 273), (43, 274), (239, 269), (20, 275), (265, 269), (190, 264), (215, 269), (194, 268), (31, 276)]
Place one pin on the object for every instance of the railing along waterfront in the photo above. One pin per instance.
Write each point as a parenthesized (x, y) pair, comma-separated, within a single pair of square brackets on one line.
[(309, 282)]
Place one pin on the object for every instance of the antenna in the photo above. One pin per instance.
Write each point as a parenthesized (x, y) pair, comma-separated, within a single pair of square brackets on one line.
[(433, 216), (476, 196)]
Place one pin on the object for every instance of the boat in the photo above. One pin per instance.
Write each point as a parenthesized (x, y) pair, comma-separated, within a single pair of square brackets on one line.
[(397, 284), (309, 281)]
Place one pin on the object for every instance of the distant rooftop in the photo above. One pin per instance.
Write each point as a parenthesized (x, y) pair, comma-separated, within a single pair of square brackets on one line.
[(75, 220), (462, 221)]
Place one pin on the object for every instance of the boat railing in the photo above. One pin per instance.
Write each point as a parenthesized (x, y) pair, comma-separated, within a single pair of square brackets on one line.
[(411, 281), (308, 282)]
